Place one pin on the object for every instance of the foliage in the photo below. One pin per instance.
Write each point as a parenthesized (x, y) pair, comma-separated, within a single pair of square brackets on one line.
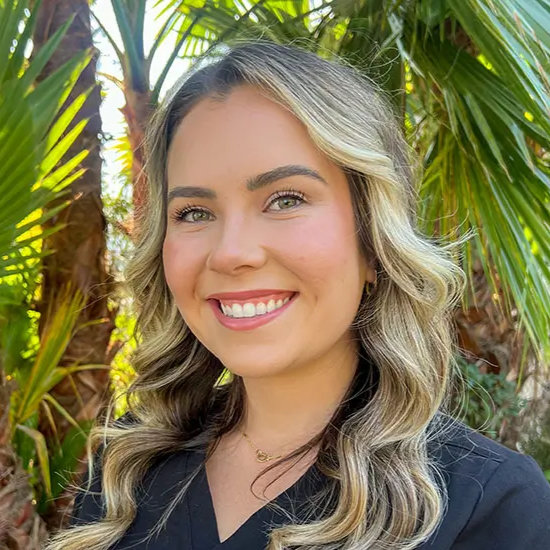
[(117, 209), (122, 371), (123, 343), (34, 138), (475, 110), (35, 377), (31, 144), (484, 400)]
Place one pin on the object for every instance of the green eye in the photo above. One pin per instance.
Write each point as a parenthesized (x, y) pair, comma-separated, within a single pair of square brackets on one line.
[(287, 199), (196, 215), (200, 215), (287, 202)]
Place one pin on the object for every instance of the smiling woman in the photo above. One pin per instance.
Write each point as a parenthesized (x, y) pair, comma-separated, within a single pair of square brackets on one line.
[(292, 313)]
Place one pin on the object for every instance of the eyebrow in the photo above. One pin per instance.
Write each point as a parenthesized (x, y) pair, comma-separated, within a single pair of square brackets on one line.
[(253, 183)]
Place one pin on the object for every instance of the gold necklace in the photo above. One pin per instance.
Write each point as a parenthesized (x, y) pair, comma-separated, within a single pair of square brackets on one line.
[(261, 456)]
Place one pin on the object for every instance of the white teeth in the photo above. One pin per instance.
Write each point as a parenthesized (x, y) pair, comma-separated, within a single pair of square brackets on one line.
[(251, 310)]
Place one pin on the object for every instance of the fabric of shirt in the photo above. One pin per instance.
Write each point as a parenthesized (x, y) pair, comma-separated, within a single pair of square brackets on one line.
[(498, 499)]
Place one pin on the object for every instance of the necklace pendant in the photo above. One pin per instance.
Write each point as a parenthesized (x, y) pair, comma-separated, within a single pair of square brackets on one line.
[(262, 456)]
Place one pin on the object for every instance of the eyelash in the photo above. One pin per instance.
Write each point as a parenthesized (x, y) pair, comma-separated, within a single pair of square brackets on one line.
[(289, 192)]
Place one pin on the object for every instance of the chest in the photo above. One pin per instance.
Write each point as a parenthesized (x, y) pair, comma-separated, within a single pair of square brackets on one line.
[(233, 501)]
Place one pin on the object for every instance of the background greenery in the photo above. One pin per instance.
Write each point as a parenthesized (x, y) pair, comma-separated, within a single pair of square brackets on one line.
[(468, 80)]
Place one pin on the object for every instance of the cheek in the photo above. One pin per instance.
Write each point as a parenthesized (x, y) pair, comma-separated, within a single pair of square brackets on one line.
[(178, 265), (169, 260), (323, 246)]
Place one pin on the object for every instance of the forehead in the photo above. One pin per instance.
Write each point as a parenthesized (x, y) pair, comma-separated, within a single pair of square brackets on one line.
[(231, 139)]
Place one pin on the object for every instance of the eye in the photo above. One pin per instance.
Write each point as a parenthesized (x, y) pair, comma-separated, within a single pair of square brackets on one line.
[(182, 214), (287, 199)]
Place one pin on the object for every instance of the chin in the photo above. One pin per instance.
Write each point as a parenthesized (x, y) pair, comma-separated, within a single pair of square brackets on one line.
[(254, 368)]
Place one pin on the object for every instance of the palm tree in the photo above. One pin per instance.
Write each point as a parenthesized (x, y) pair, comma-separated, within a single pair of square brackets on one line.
[(79, 258), (475, 108), (140, 92), (31, 146)]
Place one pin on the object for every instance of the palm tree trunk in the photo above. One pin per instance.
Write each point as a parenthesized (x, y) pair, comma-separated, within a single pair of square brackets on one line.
[(136, 113), (79, 257)]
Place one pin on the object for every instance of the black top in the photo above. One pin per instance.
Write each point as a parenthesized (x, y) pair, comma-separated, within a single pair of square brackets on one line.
[(498, 500)]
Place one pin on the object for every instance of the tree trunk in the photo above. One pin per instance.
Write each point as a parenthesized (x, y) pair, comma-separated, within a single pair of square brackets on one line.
[(137, 112), (79, 249)]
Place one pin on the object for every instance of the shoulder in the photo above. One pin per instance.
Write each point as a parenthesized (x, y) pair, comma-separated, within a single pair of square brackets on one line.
[(497, 497), (464, 453)]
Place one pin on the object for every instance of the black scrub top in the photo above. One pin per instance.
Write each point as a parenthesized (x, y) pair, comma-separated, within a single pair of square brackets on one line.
[(498, 500)]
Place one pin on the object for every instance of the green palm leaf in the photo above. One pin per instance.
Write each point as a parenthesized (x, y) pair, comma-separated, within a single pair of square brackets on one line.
[(31, 144)]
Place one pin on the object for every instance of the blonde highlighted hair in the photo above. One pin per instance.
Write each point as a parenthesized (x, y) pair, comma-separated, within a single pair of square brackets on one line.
[(382, 488)]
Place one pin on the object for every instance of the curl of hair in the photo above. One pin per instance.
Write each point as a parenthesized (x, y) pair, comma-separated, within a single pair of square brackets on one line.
[(383, 489)]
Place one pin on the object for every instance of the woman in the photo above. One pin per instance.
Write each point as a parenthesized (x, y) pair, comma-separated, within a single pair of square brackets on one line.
[(293, 317)]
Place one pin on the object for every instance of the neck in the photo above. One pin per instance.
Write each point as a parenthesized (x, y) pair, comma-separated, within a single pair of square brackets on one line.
[(283, 412)]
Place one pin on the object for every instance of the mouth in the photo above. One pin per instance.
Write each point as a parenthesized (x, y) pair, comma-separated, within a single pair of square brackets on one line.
[(254, 308), (251, 314)]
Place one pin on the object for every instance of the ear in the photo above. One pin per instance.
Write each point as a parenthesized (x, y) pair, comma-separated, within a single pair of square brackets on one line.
[(369, 269)]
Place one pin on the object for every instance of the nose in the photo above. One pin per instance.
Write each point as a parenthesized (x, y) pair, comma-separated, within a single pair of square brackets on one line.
[(236, 247)]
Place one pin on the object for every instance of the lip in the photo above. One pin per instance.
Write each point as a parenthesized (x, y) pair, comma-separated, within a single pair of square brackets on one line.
[(248, 323), (245, 294)]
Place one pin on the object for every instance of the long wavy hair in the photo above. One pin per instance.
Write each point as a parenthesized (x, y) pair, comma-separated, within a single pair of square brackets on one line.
[(382, 489)]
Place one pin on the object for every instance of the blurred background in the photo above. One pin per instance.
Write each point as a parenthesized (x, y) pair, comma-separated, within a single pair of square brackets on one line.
[(469, 82)]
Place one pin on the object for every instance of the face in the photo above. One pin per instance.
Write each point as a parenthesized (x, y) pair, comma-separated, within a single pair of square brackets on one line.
[(254, 208)]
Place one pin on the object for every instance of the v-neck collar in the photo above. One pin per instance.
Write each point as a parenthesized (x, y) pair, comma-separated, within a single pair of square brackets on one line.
[(252, 533)]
